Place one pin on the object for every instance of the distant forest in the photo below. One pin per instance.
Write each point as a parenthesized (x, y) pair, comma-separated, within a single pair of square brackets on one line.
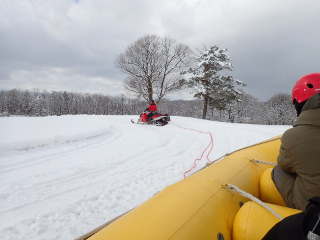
[(278, 110)]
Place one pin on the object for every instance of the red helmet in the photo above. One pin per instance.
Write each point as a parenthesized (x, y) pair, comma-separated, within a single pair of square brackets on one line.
[(306, 87)]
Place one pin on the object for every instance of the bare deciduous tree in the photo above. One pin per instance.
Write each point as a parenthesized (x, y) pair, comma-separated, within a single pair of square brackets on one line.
[(153, 65)]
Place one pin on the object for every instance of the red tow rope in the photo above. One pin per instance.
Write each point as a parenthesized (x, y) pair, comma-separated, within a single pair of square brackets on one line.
[(208, 149)]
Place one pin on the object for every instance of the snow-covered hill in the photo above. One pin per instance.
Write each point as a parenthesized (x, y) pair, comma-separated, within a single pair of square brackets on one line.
[(63, 176)]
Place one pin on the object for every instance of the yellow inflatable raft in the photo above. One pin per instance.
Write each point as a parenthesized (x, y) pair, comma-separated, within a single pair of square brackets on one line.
[(201, 207)]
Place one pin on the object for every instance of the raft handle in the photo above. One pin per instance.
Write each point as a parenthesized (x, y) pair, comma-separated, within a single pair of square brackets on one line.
[(263, 162), (220, 236)]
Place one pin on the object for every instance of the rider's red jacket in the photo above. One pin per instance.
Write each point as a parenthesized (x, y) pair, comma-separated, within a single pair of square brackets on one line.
[(152, 108)]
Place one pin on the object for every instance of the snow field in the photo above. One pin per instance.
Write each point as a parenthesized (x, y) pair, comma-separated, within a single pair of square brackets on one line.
[(63, 176)]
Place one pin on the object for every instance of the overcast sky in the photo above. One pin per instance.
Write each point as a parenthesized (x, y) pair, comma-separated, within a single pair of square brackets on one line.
[(72, 44)]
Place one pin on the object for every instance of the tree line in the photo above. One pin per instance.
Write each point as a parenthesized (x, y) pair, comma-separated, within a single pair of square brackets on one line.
[(277, 110), (43, 103)]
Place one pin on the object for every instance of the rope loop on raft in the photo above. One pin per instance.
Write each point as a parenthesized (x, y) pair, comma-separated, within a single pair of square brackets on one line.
[(245, 194)]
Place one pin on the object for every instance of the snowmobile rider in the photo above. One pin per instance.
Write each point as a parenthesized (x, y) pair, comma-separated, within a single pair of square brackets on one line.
[(297, 175), (151, 109)]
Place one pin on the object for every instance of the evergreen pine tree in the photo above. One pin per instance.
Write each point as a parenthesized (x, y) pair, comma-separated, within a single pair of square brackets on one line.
[(210, 82)]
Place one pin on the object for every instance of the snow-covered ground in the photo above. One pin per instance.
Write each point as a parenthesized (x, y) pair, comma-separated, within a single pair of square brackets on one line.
[(60, 177)]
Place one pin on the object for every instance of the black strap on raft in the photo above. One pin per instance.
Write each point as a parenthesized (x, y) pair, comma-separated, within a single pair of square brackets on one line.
[(312, 219)]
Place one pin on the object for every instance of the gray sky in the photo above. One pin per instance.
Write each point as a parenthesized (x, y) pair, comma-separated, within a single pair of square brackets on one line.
[(72, 44)]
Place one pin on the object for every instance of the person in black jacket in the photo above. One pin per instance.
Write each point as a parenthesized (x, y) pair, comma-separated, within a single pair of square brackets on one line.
[(301, 226)]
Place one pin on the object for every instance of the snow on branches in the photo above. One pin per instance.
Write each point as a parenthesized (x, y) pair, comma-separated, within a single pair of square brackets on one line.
[(210, 81)]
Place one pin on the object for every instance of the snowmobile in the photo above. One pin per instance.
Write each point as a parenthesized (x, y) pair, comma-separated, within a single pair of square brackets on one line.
[(155, 118)]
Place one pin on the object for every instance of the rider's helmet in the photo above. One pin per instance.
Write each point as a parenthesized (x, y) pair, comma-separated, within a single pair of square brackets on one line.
[(305, 87)]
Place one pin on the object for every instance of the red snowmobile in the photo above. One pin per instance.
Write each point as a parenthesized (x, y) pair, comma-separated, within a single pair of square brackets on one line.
[(154, 118)]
